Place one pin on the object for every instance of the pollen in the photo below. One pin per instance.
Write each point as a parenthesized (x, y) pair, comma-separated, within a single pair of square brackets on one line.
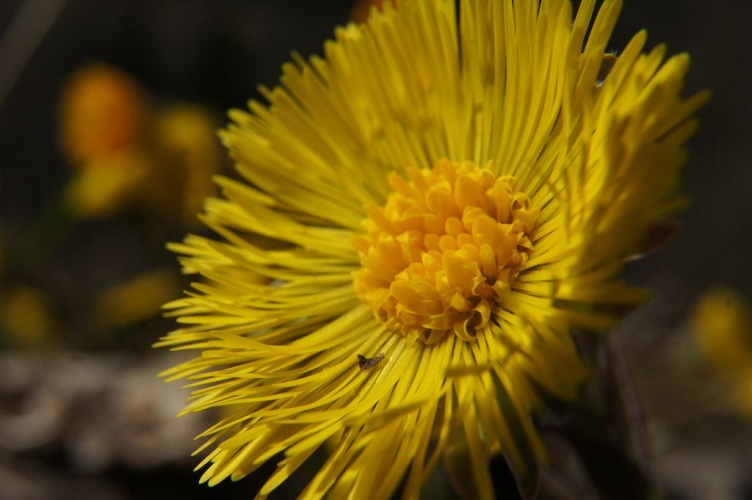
[(441, 254)]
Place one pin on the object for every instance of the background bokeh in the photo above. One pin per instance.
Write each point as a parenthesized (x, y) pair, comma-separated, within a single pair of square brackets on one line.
[(88, 382)]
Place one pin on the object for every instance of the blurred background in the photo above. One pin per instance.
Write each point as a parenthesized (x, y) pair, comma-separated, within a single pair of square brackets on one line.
[(107, 116)]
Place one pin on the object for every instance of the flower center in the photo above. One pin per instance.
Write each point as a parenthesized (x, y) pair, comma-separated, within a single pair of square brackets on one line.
[(442, 253)]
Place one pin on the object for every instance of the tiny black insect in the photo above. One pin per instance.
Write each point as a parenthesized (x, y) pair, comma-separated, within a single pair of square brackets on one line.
[(365, 363)]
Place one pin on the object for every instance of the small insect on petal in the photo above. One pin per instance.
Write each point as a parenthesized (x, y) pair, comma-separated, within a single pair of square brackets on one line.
[(365, 363)]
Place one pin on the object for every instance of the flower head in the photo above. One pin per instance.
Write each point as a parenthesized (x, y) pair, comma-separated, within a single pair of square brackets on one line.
[(454, 187)]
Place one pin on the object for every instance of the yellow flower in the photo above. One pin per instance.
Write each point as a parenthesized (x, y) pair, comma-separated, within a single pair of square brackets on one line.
[(454, 187), (25, 317), (723, 330), (107, 185), (742, 392), (139, 298), (103, 119), (722, 327), (190, 155)]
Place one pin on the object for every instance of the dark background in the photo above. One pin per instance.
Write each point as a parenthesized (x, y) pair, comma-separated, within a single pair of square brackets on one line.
[(217, 52)]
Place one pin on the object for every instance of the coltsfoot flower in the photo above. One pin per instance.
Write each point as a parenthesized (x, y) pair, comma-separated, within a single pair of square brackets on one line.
[(425, 214)]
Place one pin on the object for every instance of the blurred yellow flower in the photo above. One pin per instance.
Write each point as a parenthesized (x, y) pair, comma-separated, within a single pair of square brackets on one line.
[(189, 157), (722, 326), (103, 133), (25, 316), (111, 183), (140, 298), (442, 199), (743, 391)]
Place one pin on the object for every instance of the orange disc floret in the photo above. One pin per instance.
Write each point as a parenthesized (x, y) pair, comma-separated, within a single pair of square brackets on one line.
[(441, 254)]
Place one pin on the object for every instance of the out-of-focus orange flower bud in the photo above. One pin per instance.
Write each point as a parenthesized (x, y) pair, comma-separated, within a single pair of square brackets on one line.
[(362, 9), (102, 111)]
